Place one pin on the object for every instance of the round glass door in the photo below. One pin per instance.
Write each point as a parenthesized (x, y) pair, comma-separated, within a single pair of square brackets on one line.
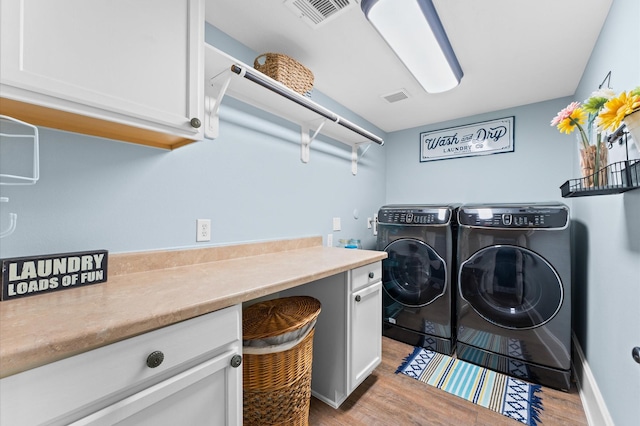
[(413, 274), (511, 286)]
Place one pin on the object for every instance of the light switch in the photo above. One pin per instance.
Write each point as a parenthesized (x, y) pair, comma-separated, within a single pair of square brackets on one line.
[(336, 224)]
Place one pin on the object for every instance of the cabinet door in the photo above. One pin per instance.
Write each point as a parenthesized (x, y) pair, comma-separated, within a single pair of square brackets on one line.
[(209, 393), (365, 342), (135, 62)]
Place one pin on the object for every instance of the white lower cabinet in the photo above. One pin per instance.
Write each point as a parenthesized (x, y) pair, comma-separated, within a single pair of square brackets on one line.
[(347, 344), (197, 382), (365, 343)]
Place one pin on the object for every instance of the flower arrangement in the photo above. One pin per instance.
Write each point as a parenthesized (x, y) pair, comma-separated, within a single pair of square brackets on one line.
[(616, 108), (602, 111), (603, 107)]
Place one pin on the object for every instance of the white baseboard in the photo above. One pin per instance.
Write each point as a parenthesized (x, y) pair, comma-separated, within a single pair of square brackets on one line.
[(594, 406)]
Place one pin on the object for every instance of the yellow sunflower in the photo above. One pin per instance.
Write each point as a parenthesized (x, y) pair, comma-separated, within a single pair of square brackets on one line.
[(616, 109)]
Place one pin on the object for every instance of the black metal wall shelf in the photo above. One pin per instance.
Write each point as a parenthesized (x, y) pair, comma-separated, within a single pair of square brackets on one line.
[(618, 177), (621, 177)]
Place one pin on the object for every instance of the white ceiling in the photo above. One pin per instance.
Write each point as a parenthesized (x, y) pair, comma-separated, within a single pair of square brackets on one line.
[(512, 53)]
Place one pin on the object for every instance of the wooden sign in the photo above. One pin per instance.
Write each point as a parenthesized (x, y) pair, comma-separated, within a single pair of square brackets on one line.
[(488, 137), (27, 276)]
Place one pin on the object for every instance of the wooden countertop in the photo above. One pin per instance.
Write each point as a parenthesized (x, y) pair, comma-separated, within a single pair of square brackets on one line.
[(146, 291)]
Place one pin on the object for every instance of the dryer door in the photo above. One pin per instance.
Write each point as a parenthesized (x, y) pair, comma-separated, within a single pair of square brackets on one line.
[(510, 286), (413, 274)]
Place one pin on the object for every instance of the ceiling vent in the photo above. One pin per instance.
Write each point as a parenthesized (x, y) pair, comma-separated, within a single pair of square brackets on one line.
[(400, 95), (318, 12)]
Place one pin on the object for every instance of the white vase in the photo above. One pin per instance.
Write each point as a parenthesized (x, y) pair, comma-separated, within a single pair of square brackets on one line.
[(632, 121)]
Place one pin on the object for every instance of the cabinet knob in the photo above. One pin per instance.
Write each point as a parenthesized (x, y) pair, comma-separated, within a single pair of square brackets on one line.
[(371, 275), (154, 359), (358, 298), (236, 360), (196, 123)]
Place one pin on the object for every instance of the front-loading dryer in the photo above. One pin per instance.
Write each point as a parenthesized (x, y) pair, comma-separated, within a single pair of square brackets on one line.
[(514, 290), (418, 296)]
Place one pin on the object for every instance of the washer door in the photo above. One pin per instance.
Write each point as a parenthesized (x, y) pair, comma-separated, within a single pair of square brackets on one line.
[(511, 287), (413, 274)]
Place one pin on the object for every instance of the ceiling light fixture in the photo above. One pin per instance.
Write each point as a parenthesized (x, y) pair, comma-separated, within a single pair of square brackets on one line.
[(414, 32)]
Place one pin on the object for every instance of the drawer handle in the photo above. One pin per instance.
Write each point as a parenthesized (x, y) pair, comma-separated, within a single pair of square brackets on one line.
[(358, 298), (195, 123), (154, 359), (371, 275), (236, 360)]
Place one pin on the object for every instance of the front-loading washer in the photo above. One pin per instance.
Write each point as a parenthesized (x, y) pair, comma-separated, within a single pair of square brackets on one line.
[(514, 290), (418, 296)]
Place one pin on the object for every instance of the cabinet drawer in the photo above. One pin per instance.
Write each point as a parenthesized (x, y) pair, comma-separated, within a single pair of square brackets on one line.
[(66, 390), (365, 275)]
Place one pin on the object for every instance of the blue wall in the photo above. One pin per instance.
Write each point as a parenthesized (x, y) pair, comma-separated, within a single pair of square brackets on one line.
[(539, 164), (608, 248)]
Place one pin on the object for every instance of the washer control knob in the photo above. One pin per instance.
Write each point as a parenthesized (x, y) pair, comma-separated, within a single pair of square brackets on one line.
[(635, 353)]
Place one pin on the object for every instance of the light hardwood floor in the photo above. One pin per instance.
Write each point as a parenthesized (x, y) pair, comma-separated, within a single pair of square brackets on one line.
[(386, 398)]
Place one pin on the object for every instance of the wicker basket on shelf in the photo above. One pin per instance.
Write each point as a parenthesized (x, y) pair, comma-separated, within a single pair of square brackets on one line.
[(286, 70), (277, 358)]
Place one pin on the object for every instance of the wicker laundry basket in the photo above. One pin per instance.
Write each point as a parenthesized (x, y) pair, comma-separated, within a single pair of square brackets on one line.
[(277, 357), (286, 70)]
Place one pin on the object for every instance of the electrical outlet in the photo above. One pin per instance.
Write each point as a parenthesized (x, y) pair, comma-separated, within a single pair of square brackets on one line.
[(329, 240), (203, 230), (336, 223)]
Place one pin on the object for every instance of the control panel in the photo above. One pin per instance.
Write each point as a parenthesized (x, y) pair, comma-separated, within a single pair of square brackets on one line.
[(514, 218), (415, 216)]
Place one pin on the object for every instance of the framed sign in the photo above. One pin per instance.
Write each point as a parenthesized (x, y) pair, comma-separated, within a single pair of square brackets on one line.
[(28, 276), (487, 137)]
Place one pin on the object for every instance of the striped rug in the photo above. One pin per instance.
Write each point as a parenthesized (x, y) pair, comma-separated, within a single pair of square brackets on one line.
[(506, 395)]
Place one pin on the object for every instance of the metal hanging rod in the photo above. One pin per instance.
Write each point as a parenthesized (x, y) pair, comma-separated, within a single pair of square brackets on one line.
[(302, 101)]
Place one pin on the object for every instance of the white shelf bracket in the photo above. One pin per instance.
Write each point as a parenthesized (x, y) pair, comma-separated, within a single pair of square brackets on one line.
[(212, 106), (355, 158), (306, 140)]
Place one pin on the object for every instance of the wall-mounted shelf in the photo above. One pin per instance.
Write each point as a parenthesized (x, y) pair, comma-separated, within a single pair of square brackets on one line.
[(620, 177), (226, 75)]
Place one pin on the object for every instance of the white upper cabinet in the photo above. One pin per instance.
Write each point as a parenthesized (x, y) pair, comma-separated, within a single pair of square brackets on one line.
[(131, 70)]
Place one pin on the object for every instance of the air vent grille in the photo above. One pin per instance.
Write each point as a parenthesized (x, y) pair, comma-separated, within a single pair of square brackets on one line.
[(317, 12), (396, 96)]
